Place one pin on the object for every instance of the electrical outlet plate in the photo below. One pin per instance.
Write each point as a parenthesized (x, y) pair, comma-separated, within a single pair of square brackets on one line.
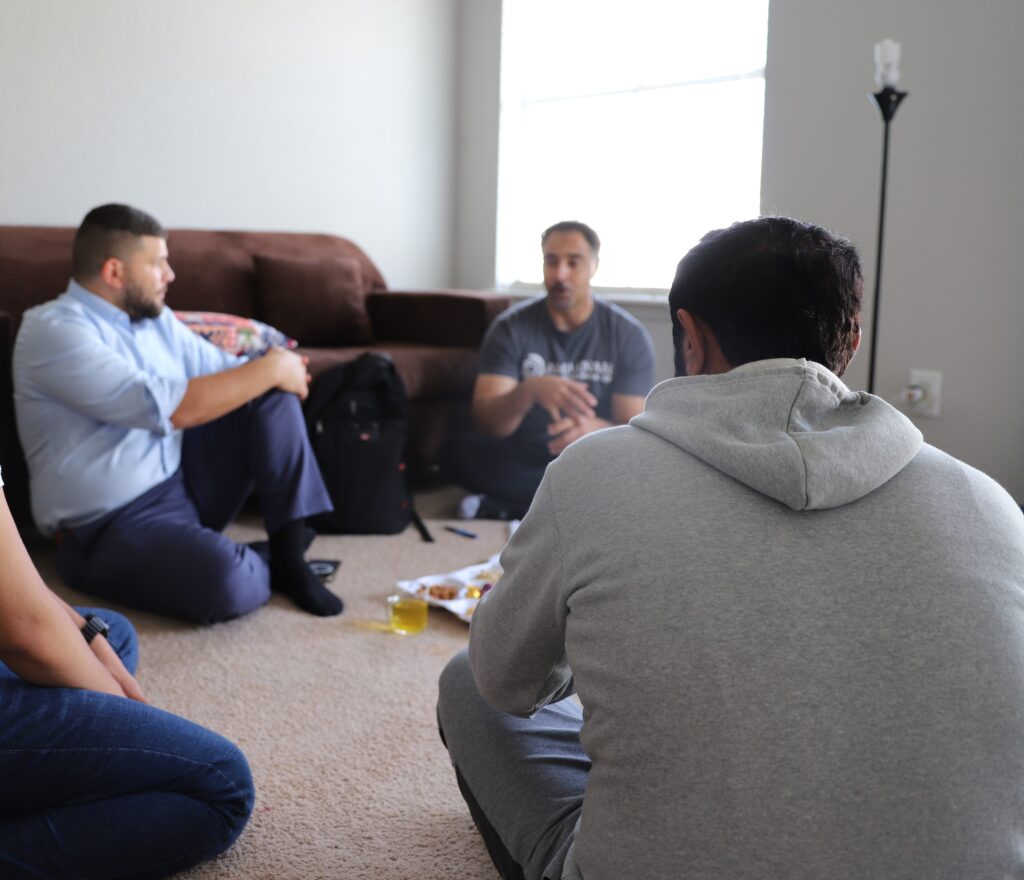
[(930, 382)]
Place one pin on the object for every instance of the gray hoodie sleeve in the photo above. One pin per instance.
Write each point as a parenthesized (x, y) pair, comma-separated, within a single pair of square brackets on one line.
[(517, 639)]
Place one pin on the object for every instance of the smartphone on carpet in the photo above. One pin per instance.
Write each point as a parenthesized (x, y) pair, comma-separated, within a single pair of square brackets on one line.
[(324, 568)]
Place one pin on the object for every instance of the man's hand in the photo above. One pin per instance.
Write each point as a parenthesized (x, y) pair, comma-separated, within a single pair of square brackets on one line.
[(108, 657), (561, 397), (290, 371), (211, 396), (567, 430), (500, 403)]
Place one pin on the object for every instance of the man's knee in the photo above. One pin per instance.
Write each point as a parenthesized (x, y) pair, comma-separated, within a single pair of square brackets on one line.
[(276, 404), (234, 582), (234, 597), (216, 775), (454, 686), (236, 794)]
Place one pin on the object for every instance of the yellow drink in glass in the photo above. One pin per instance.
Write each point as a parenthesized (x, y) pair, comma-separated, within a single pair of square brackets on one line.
[(407, 615)]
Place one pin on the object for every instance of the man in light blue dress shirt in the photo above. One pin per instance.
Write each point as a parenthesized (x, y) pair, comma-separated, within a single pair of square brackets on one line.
[(143, 440)]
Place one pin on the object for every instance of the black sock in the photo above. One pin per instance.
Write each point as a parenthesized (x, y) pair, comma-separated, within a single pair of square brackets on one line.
[(263, 547), (291, 575)]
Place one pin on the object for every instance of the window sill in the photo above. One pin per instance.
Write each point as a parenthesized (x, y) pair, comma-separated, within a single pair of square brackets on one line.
[(632, 297)]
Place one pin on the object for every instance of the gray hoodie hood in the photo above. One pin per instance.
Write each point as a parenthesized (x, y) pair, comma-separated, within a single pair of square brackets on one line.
[(789, 429)]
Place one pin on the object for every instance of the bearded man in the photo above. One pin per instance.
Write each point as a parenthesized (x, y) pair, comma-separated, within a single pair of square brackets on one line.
[(143, 440), (552, 369)]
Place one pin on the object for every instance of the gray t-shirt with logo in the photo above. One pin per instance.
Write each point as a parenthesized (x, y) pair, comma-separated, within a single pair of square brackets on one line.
[(612, 352)]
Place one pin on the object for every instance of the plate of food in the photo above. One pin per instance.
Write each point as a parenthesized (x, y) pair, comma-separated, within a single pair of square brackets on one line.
[(459, 591)]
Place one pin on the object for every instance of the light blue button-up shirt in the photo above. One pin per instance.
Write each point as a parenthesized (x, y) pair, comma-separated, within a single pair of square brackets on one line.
[(94, 393)]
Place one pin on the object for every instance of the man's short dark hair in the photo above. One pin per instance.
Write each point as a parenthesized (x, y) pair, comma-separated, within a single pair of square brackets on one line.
[(109, 231), (574, 226), (773, 288)]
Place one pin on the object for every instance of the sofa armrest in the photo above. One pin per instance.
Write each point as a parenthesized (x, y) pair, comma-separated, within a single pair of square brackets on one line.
[(434, 317)]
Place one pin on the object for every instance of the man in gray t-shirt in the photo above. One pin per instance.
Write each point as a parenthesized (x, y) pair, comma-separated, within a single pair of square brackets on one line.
[(552, 369)]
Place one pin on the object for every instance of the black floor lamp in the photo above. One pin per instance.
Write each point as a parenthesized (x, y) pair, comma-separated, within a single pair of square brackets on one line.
[(887, 76)]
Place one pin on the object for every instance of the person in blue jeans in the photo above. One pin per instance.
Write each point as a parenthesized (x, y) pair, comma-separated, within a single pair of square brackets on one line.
[(96, 782)]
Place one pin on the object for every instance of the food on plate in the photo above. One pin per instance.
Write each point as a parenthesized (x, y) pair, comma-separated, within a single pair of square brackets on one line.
[(460, 591)]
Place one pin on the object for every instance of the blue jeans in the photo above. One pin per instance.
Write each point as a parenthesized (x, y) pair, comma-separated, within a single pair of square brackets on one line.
[(100, 786)]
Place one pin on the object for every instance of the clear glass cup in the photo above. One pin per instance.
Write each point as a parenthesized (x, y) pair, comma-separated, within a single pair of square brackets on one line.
[(407, 614)]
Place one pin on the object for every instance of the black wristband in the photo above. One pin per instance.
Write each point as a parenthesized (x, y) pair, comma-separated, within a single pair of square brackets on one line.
[(94, 626)]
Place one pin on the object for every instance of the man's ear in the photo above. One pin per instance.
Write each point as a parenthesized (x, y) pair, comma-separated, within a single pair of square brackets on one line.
[(693, 343), (112, 272), (856, 342)]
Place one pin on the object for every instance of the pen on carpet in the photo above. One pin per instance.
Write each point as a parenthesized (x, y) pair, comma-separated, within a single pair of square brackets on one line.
[(465, 533)]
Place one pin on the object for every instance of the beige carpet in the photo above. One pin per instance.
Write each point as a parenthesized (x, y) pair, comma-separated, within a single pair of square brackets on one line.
[(335, 716)]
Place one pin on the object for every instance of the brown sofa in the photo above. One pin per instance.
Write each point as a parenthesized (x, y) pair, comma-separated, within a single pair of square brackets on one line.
[(321, 290)]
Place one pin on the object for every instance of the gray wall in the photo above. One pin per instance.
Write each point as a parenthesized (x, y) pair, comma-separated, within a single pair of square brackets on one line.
[(476, 145), (952, 299), (320, 115)]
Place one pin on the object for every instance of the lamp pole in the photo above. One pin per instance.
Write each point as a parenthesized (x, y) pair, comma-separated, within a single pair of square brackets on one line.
[(887, 74)]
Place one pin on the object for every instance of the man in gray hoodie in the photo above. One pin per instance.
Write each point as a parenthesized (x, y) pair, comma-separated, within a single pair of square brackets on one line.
[(796, 630)]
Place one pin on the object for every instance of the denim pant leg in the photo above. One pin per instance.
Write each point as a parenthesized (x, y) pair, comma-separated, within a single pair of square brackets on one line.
[(98, 786), (526, 775), (261, 446)]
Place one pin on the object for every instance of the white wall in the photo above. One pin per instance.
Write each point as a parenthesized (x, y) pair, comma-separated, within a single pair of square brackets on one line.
[(311, 115), (952, 296)]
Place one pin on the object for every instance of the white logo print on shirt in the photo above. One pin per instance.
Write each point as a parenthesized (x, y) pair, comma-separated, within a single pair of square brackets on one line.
[(582, 371), (533, 365)]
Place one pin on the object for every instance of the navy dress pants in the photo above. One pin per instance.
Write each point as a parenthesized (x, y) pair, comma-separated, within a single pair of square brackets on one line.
[(97, 786), (164, 551)]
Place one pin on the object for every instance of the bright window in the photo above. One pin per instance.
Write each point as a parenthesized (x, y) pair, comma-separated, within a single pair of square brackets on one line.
[(641, 118)]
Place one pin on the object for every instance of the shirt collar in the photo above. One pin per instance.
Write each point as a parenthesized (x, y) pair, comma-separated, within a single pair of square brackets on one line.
[(98, 304)]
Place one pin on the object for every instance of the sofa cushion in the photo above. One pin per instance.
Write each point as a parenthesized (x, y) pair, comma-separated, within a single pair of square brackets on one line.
[(437, 317), (214, 273), (319, 302), (21, 280)]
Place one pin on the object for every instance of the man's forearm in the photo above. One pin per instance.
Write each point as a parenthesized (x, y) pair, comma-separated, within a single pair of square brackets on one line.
[(500, 415), (210, 397)]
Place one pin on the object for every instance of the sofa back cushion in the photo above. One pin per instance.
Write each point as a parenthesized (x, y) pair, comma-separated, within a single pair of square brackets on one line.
[(215, 270), (213, 273), (319, 302), (35, 265)]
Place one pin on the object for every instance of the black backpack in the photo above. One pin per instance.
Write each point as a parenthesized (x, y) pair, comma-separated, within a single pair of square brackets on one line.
[(357, 415)]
